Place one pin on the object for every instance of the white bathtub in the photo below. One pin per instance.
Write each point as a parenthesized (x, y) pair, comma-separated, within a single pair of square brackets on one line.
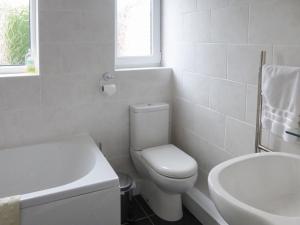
[(68, 182)]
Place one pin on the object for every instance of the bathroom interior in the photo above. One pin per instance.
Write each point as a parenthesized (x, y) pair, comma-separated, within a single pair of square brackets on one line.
[(149, 112)]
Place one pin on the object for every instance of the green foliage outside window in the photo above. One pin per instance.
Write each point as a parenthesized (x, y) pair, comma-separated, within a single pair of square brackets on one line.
[(16, 35)]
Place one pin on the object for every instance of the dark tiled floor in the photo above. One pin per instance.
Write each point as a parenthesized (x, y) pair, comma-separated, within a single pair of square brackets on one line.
[(141, 214)]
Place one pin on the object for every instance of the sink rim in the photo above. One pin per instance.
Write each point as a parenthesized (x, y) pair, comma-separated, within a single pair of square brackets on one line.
[(216, 187)]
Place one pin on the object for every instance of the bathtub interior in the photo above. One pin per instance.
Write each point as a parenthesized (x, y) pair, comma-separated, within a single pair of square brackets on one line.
[(249, 182), (44, 166)]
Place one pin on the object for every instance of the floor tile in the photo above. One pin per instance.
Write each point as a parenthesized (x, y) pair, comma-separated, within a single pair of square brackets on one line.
[(141, 222), (141, 214), (188, 219), (136, 212), (144, 205)]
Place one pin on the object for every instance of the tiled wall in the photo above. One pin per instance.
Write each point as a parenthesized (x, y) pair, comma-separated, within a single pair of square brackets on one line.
[(76, 48), (214, 47)]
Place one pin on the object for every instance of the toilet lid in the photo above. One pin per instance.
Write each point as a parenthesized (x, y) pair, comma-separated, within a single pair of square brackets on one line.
[(170, 161)]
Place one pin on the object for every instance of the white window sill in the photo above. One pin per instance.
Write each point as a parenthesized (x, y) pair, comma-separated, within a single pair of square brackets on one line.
[(18, 75), (143, 68)]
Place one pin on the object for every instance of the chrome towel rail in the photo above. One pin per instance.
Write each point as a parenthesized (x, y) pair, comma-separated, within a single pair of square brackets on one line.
[(258, 145)]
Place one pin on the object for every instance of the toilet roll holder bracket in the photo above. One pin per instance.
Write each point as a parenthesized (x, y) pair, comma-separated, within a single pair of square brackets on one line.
[(108, 76)]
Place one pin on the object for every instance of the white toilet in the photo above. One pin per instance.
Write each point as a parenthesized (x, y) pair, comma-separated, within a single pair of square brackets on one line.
[(166, 170)]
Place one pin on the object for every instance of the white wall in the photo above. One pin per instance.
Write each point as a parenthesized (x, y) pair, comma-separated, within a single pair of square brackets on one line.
[(76, 48), (214, 47)]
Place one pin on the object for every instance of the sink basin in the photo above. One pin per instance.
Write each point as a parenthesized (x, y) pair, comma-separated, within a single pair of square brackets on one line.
[(258, 189)]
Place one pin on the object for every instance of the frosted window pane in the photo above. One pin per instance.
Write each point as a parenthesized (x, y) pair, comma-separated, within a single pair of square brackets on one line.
[(134, 29), (14, 31)]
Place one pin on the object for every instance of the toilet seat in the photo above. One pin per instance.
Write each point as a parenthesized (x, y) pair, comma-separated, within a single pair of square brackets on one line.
[(169, 161), (167, 173)]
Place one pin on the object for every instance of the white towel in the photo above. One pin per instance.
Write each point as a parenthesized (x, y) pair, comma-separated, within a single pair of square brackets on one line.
[(10, 211), (281, 100)]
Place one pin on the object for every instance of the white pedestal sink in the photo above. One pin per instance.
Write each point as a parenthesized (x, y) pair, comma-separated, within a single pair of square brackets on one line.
[(258, 189)]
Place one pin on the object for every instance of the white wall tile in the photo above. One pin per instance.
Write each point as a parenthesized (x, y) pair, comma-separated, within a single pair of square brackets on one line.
[(196, 88), (206, 154), (66, 90), (230, 24), (98, 27), (177, 84), (177, 137), (188, 5), (251, 104), (123, 163), (50, 63), (144, 84), (184, 113), (187, 56), (64, 26), (196, 26), (244, 62), (115, 133), (87, 5), (172, 56), (209, 124), (276, 22), (50, 5), (172, 22), (58, 121), (240, 137), (107, 58), (85, 57), (232, 2), (20, 127), (287, 55), (228, 97), (19, 93), (204, 63), (211, 4)]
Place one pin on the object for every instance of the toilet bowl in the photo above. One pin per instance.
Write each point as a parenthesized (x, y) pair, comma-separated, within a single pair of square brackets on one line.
[(167, 171)]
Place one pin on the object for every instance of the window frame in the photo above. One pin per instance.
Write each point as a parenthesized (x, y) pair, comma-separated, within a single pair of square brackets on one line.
[(143, 61), (33, 26)]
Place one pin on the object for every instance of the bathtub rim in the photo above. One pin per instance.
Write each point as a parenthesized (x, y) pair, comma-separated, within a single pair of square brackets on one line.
[(100, 177)]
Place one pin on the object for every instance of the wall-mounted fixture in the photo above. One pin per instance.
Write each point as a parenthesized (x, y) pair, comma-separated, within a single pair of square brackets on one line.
[(109, 89), (273, 89), (108, 76)]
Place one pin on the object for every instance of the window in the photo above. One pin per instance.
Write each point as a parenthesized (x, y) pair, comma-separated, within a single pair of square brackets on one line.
[(18, 37), (138, 33)]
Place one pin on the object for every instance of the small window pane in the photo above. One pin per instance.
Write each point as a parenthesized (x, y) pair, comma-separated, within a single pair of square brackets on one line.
[(14, 31), (134, 28)]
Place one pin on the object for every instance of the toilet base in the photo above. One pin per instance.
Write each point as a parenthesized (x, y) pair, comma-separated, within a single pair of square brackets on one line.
[(165, 205)]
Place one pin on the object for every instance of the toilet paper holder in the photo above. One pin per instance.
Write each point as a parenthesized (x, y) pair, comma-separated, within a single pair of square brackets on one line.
[(109, 89)]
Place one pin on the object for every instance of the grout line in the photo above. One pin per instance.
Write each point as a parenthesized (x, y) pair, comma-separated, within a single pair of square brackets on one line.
[(142, 208), (150, 217), (151, 221), (144, 211), (142, 218), (227, 60), (249, 23), (246, 102)]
